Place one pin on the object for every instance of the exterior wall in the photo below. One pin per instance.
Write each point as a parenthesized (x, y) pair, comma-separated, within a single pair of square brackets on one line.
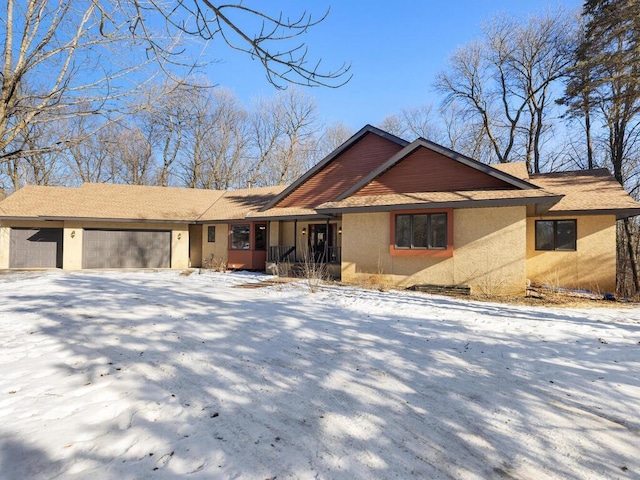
[(592, 266), (427, 171), (215, 252), (4, 247), (489, 251), (72, 239), (343, 172)]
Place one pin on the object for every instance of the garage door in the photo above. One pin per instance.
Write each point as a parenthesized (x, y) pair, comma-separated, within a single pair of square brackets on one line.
[(126, 249), (35, 248)]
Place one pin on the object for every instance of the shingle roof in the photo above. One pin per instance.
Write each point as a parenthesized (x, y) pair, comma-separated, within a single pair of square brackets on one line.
[(515, 169), (588, 190), (237, 204), (457, 199), (133, 202)]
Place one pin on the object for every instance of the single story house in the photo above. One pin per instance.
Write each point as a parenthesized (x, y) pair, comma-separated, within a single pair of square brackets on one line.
[(378, 208)]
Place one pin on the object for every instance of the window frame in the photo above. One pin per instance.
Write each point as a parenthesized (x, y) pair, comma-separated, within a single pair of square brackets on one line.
[(442, 252), (210, 229), (554, 247), (231, 234)]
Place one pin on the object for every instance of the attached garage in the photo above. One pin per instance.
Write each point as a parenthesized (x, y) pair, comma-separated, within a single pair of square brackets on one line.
[(35, 248), (126, 249)]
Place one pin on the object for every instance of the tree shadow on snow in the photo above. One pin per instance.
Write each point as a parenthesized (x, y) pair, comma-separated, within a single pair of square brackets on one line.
[(205, 380)]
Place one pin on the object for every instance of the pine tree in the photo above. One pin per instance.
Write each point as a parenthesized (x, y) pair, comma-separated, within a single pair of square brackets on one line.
[(605, 82)]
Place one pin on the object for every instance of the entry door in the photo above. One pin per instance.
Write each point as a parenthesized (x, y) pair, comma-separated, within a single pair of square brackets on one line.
[(319, 238)]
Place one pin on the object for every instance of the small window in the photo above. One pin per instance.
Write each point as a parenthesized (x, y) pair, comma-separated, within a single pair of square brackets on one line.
[(556, 235), (422, 231), (239, 237), (211, 234), (261, 236)]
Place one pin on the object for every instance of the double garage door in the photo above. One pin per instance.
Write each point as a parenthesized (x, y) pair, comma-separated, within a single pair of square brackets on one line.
[(42, 248), (126, 249)]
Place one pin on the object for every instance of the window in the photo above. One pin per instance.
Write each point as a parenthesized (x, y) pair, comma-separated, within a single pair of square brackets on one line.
[(239, 237), (421, 231), (556, 235), (211, 234), (261, 236)]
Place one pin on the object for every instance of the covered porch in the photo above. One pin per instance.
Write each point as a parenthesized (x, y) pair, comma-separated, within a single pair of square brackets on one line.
[(305, 240)]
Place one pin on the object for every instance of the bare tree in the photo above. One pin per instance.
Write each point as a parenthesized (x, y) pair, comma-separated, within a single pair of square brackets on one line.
[(214, 140), (333, 136), (64, 59), (414, 122), (283, 130), (504, 81), (276, 42)]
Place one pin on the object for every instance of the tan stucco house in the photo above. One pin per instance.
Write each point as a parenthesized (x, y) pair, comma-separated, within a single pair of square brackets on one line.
[(377, 207)]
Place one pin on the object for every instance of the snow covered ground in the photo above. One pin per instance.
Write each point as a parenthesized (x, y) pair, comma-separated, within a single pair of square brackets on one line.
[(134, 375)]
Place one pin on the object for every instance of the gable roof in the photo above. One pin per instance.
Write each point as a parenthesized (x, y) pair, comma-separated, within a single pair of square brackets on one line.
[(367, 129), (511, 180), (595, 191)]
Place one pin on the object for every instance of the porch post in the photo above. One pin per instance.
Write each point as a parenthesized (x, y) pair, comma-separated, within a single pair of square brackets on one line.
[(295, 240), (326, 244)]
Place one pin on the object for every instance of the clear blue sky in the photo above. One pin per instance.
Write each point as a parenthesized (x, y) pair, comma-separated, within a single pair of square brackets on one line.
[(395, 48)]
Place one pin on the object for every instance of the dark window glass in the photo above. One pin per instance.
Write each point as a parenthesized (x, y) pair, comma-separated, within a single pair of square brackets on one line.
[(556, 235), (438, 230), (544, 235), (240, 237), (421, 231), (403, 231), (566, 235), (261, 236), (211, 234)]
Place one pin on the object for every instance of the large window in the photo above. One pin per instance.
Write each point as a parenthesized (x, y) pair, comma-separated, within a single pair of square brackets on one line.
[(556, 235), (239, 237), (261, 236), (421, 231)]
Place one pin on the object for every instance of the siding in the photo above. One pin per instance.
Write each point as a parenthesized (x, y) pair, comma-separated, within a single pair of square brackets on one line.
[(428, 171), (343, 172)]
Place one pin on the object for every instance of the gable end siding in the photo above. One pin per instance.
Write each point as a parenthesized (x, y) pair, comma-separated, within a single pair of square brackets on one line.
[(427, 171), (343, 172)]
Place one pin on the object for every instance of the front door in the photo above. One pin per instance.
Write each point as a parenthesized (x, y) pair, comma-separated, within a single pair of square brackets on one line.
[(320, 241)]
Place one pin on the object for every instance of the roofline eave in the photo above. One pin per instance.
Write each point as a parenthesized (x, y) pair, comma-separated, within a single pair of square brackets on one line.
[(498, 202)]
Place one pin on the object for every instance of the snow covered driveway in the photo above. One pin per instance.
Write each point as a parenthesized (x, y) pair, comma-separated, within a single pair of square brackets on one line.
[(134, 375)]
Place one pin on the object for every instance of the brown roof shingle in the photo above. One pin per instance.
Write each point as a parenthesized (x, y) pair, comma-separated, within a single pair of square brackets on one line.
[(133, 202), (237, 204), (588, 190)]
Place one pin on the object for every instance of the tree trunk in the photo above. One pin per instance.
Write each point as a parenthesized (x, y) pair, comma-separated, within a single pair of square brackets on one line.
[(633, 258)]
